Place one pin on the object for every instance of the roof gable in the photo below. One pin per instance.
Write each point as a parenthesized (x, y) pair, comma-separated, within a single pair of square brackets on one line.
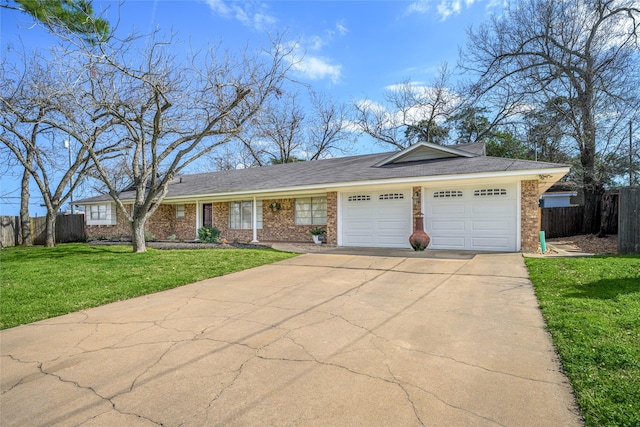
[(424, 151)]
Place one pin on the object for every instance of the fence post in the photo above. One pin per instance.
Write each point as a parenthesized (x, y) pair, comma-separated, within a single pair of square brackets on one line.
[(628, 221)]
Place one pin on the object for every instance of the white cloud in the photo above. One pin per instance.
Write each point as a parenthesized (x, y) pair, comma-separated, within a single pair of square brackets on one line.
[(318, 68), (342, 29), (250, 14), (445, 8)]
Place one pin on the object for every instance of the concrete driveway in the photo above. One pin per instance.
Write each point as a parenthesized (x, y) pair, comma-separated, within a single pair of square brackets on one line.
[(318, 340)]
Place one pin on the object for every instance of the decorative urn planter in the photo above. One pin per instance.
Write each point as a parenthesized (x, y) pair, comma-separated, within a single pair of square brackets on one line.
[(419, 240)]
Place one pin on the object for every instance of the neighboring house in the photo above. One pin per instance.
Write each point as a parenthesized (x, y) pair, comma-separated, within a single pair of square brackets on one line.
[(470, 201), (558, 196)]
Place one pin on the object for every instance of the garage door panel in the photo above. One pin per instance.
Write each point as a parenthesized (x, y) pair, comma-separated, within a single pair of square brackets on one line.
[(387, 216), (448, 225), (359, 226), (359, 240), (398, 226), (358, 211), (491, 243), (448, 209), (487, 207), (489, 226), (476, 218), (447, 242), (392, 241)]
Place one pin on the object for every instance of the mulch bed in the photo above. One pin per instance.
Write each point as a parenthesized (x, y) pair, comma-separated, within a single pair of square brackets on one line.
[(184, 245), (592, 244)]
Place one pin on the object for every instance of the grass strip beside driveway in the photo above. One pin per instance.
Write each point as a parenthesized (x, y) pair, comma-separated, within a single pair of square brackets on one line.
[(37, 283), (592, 309)]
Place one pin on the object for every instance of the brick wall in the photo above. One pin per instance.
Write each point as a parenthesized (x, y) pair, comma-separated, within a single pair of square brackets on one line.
[(278, 225), (530, 229), (162, 224), (332, 218), (121, 230), (417, 205)]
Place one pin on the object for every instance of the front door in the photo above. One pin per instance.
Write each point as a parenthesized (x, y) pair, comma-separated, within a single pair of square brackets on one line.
[(207, 215)]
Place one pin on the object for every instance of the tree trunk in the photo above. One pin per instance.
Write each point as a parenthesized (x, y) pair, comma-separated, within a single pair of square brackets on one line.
[(137, 235), (50, 242), (592, 197), (25, 222)]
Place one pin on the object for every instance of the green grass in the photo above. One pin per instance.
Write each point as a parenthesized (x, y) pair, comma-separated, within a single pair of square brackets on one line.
[(38, 283), (592, 309)]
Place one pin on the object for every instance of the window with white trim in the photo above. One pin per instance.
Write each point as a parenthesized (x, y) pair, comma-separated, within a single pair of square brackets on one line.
[(101, 214), (391, 196), (311, 211), (179, 211), (447, 193), (359, 198), (490, 192), (240, 215)]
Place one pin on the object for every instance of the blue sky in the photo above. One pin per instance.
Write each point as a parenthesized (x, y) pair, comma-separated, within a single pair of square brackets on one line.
[(352, 49)]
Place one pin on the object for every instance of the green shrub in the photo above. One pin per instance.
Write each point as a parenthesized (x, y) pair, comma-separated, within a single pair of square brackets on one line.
[(208, 234), (149, 237)]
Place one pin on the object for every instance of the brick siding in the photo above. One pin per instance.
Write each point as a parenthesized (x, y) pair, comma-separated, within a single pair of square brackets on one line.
[(162, 224), (529, 224), (278, 225)]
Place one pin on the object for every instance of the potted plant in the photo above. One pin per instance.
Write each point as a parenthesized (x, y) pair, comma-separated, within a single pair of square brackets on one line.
[(316, 233)]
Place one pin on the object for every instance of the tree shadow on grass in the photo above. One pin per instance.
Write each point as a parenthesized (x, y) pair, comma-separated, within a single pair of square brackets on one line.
[(62, 251), (607, 288)]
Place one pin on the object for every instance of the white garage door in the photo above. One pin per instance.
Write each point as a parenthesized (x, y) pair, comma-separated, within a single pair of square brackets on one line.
[(481, 217), (376, 219)]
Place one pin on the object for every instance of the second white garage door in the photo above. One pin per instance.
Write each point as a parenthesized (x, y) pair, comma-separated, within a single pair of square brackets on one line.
[(376, 219), (481, 217)]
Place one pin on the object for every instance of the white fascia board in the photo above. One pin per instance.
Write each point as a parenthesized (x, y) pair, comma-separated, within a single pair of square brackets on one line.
[(559, 194), (393, 182)]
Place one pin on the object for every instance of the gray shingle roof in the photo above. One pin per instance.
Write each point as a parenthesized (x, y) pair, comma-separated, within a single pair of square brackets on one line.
[(331, 172)]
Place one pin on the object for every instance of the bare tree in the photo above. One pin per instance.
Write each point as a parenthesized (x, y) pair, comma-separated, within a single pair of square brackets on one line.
[(32, 98), (275, 135), (162, 112), (284, 132), (580, 56), (327, 131), (411, 112)]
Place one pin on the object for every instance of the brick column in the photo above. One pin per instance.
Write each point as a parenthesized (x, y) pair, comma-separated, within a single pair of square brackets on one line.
[(529, 221), (332, 218), (417, 206)]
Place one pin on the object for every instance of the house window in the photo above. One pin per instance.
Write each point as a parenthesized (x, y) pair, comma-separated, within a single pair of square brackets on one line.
[(101, 214), (311, 211), (179, 211), (241, 215), (359, 198), (490, 192), (98, 212), (447, 193), (391, 196)]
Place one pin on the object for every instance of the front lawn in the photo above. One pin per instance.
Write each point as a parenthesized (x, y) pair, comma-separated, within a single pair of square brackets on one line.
[(38, 283), (592, 309)]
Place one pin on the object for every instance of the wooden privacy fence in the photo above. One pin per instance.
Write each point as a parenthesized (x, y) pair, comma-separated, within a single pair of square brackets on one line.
[(629, 221), (9, 231), (69, 228), (561, 222)]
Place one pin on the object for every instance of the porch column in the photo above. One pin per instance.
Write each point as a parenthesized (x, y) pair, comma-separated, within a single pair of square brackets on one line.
[(254, 218), (198, 207)]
